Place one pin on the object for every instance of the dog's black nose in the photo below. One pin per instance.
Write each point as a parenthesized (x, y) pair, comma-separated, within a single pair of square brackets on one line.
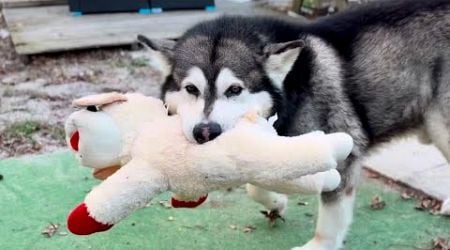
[(204, 132)]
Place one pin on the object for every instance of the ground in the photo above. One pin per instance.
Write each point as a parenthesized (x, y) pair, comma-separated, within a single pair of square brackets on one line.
[(41, 190), (35, 96)]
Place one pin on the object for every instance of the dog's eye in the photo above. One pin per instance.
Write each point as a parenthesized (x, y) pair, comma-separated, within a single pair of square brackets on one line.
[(233, 90), (191, 89)]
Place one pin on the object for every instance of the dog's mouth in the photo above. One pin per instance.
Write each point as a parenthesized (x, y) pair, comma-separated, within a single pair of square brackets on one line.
[(75, 140)]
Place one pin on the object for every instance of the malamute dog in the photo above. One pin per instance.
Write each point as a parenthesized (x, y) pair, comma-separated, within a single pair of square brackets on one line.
[(376, 72)]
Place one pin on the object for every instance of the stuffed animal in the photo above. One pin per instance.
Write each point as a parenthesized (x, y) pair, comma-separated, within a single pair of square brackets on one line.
[(135, 133)]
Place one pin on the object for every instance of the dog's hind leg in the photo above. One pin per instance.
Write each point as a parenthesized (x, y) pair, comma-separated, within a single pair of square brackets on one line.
[(437, 117), (272, 201), (438, 129)]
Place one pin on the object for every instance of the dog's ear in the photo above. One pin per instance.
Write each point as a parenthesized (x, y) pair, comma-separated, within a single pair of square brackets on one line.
[(278, 59), (161, 53)]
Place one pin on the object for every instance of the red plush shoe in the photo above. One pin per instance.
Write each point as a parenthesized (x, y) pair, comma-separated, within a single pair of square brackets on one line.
[(80, 222), (188, 204)]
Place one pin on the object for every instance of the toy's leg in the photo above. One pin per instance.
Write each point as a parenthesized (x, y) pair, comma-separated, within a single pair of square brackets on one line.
[(273, 202), (335, 212), (130, 188)]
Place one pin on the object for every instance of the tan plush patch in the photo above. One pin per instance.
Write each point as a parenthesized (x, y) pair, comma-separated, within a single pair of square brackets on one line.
[(103, 173), (251, 116), (99, 100)]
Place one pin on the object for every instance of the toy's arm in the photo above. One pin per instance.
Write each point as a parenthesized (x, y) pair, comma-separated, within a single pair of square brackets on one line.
[(130, 188), (309, 184), (266, 157)]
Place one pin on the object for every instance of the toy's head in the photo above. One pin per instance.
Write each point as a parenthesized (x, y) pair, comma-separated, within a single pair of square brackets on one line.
[(101, 133)]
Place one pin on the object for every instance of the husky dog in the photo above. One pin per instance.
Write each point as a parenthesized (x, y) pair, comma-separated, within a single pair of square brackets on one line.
[(376, 72)]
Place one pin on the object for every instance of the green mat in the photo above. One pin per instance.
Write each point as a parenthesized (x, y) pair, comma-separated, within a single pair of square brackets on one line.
[(40, 190)]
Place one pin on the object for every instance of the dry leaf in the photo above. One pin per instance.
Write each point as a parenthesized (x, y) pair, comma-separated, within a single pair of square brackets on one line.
[(377, 203), (273, 216), (249, 229), (429, 204), (50, 230), (373, 175), (407, 195), (165, 204), (302, 203), (439, 243)]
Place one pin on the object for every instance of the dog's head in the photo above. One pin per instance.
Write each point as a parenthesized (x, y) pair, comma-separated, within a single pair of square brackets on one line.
[(212, 80)]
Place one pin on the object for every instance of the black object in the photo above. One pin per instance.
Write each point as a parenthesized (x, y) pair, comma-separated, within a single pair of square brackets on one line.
[(104, 6), (1, 177), (181, 4), (79, 7)]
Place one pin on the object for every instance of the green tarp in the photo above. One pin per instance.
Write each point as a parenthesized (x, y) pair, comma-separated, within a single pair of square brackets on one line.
[(36, 191)]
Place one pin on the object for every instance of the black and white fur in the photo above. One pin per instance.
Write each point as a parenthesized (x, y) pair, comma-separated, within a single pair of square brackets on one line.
[(376, 72)]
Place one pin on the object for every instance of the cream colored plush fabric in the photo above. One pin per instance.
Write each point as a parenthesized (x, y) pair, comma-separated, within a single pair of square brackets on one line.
[(156, 157)]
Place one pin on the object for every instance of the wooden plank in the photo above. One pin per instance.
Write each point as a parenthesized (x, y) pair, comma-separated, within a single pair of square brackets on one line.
[(420, 166), (49, 29), (30, 3)]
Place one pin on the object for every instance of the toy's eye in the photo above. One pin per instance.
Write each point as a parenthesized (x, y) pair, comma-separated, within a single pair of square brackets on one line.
[(192, 89), (233, 90), (92, 108)]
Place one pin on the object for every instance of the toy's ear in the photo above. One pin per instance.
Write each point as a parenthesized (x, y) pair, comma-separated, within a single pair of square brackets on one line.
[(99, 100)]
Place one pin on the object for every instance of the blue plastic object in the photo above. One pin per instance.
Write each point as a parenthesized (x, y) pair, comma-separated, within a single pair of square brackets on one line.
[(211, 8), (76, 13)]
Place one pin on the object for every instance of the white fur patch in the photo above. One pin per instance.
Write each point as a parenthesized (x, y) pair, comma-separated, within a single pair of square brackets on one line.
[(191, 114), (188, 106), (174, 99), (278, 66), (225, 79), (438, 131), (227, 111), (196, 77)]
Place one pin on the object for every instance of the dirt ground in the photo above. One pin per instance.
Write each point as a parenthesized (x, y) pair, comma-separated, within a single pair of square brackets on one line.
[(35, 97)]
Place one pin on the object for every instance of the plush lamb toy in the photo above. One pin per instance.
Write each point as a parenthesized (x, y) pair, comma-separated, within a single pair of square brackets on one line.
[(135, 132)]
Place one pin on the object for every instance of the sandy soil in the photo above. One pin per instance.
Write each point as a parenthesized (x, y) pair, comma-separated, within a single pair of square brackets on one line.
[(35, 97)]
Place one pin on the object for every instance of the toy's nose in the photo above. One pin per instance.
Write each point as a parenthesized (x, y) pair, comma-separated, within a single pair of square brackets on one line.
[(204, 132)]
